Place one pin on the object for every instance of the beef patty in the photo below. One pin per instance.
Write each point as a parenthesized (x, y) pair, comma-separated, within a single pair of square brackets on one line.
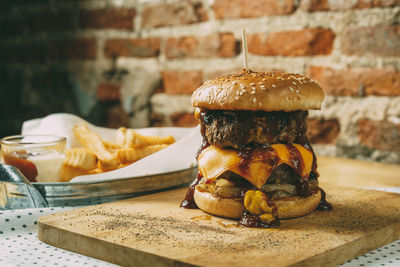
[(247, 129)]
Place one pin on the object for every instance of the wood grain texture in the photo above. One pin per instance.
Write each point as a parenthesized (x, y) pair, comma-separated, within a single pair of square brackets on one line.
[(154, 230), (357, 173)]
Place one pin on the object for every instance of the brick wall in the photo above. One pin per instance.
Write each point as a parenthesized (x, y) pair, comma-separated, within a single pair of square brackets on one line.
[(136, 62)]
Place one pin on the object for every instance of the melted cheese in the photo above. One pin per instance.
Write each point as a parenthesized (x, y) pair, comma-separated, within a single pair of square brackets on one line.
[(214, 161)]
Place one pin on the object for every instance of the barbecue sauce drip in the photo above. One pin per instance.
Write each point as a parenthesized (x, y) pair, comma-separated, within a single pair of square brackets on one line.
[(323, 204), (296, 159), (314, 164), (245, 159), (253, 221), (203, 146), (267, 155), (188, 201), (303, 188)]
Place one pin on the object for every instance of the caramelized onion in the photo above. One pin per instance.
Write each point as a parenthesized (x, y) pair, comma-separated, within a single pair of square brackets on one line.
[(290, 189)]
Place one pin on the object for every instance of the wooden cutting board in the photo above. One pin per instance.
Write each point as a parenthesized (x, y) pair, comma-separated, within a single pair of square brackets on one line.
[(357, 173), (153, 230)]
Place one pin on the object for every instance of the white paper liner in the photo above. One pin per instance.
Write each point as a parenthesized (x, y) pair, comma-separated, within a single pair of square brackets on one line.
[(178, 156)]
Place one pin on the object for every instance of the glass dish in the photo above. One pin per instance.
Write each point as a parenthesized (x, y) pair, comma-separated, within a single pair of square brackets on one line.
[(38, 157)]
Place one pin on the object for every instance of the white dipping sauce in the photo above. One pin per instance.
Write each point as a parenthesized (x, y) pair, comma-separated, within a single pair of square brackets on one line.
[(48, 165)]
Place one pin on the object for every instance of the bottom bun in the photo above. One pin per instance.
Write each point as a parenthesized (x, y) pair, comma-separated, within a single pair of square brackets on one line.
[(297, 206), (233, 208), (224, 207)]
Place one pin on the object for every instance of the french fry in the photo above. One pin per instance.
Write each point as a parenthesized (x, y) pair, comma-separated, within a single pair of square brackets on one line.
[(68, 172), (135, 139), (96, 171), (130, 138), (130, 155), (111, 146), (92, 141), (81, 158), (98, 156), (121, 136)]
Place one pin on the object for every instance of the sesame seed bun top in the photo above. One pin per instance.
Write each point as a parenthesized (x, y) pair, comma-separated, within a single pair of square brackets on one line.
[(267, 91)]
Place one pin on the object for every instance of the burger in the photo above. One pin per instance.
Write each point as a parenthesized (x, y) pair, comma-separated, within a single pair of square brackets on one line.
[(255, 163)]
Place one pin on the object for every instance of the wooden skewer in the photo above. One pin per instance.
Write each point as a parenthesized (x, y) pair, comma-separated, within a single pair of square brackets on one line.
[(244, 46)]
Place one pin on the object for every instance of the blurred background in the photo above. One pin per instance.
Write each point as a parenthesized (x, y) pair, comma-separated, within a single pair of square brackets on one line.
[(136, 62)]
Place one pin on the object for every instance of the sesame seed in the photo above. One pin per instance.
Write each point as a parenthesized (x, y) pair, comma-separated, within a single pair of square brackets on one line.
[(294, 83), (236, 97), (253, 88), (254, 100), (241, 85), (297, 91), (241, 93), (252, 83), (234, 82), (252, 92), (273, 85), (291, 89)]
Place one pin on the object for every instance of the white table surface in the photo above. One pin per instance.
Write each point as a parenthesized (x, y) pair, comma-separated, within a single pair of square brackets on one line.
[(20, 246)]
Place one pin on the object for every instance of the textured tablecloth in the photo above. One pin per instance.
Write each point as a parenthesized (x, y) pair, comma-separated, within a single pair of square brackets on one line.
[(20, 246)]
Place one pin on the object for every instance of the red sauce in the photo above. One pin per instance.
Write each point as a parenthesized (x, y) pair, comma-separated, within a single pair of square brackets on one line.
[(188, 201), (18, 159)]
